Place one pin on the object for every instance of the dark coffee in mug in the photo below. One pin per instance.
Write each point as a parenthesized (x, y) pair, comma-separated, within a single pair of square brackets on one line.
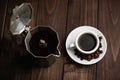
[(87, 42)]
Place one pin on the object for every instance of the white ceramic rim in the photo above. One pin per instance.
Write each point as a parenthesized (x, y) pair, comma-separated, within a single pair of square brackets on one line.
[(91, 51)]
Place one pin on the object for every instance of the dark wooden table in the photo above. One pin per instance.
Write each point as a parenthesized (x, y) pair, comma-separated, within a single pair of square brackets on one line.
[(63, 16)]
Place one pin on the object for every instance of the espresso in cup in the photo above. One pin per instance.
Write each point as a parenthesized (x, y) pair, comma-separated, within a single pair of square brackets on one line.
[(87, 42)]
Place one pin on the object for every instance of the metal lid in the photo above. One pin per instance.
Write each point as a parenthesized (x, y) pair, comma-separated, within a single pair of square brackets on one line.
[(20, 18)]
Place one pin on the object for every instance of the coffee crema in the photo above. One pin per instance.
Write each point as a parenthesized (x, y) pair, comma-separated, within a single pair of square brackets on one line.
[(87, 42)]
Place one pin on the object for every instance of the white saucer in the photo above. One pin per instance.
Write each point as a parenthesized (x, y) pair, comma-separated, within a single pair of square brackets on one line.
[(71, 39)]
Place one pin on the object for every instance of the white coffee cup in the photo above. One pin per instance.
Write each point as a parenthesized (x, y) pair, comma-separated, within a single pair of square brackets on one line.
[(77, 45)]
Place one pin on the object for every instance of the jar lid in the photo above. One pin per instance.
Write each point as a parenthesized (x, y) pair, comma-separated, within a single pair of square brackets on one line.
[(21, 17)]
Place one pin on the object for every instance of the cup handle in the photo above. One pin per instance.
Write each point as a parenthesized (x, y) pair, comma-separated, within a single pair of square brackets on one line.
[(72, 45)]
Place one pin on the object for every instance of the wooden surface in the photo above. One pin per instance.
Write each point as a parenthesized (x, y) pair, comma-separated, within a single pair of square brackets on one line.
[(63, 16)]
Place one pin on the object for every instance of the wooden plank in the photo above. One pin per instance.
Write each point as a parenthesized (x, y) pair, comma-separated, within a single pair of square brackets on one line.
[(80, 12), (3, 7), (12, 67), (109, 19), (53, 13)]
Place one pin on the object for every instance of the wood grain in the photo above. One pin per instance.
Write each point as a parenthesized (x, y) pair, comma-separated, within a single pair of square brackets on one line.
[(53, 13), (80, 12), (109, 19), (13, 64), (3, 8), (63, 16)]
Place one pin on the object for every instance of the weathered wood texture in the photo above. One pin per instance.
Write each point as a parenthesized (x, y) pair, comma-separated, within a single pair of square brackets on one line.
[(80, 12), (109, 24), (53, 13), (3, 8), (63, 16)]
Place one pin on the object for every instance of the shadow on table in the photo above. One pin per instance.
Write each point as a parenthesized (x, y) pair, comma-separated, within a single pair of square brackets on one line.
[(14, 59)]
